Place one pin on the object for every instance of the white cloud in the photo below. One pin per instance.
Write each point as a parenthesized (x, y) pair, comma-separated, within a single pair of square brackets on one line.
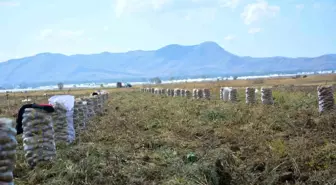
[(300, 6), (229, 3), (9, 3), (260, 9), (230, 37), (59, 34), (254, 30), (133, 6), (106, 28)]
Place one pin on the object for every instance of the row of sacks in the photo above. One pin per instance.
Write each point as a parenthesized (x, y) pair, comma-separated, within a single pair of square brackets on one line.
[(43, 126), (229, 94), (195, 93), (326, 102)]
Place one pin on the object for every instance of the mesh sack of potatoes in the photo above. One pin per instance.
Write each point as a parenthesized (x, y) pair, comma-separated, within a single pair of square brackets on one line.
[(226, 92), (221, 90), (250, 95), (63, 117), (266, 96), (38, 136), (85, 112), (172, 92), (325, 98), (60, 123), (187, 93), (177, 92), (194, 93), (183, 92), (79, 115), (103, 100), (206, 94), (168, 92), (99, 104), (163, 91), (199, 93), (232, 95), (90, 107), (94, 105), (8, 145)]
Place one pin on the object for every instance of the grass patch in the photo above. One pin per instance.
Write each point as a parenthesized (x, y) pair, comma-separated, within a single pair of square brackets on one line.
[(146, 139)]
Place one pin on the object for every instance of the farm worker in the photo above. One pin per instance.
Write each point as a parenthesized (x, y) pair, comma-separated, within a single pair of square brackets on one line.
[(46, 107)]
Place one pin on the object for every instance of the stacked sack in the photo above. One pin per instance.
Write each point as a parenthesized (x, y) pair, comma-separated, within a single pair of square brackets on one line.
[(163, 91), (177, 92), (172, 92), (325, 98), (168, 92), (85, 112), (60, 123), (232, 95), (250, 95), (8, 145), (63, 119), (206, 94), (199, 93), (90, 107), (95, 104), (266, 96), (183, 93), (38, 136), (226, 93), (187, 93), (194, 94), (79, 115), (99, 104), (221, 91)]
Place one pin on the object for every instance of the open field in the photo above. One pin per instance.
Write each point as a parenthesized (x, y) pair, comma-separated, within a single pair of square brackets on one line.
[(145, 139)]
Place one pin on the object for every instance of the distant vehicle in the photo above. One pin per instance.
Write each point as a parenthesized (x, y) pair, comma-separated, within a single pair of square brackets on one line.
[(119, 85), (128, 85)]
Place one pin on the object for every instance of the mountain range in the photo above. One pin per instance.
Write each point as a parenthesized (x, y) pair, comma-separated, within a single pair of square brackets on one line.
[(204, 59)]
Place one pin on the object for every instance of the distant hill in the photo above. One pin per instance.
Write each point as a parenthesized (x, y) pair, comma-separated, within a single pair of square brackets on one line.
[(207, 58)]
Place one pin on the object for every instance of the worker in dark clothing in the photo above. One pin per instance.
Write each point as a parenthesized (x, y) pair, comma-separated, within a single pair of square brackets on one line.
[(94, 94), (46, 107)]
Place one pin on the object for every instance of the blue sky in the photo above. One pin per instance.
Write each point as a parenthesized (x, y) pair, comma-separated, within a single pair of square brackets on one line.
[(257, 28)]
